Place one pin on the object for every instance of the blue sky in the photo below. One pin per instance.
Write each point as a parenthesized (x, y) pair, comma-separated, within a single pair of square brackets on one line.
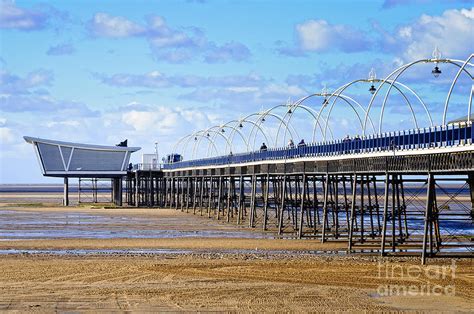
[(102, 71)]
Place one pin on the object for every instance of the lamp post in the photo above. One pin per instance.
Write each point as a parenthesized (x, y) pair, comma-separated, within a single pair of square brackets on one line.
[(436, 57), (324, 92), (372, 77)]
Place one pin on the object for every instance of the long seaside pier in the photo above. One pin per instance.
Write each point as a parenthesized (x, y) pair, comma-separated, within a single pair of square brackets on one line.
[(405, 192)]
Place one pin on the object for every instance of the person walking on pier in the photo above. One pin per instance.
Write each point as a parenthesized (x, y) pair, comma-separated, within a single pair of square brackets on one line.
[(263, 148), (291, 144)]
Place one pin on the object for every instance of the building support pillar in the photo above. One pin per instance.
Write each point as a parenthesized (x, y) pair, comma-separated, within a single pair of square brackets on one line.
[(66, 192), (117, 191)]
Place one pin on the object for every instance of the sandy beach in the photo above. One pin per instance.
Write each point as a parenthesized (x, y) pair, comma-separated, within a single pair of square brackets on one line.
[(94, 258)]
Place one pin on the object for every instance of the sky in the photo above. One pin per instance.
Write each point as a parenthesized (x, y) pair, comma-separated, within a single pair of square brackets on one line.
[(154, 71)]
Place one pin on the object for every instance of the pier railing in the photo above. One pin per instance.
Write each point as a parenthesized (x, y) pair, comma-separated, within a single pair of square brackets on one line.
[(451, 135)]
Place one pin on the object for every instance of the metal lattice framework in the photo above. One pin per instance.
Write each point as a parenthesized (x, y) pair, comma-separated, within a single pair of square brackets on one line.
[(283, 114)]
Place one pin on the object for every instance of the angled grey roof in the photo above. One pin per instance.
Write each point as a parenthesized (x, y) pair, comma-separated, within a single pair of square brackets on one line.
[(32, 140), (67, 159)]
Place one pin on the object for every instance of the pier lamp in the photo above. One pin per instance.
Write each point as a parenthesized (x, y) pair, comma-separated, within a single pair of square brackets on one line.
[(208, 135), (372, 89), (436, 71), (240, 124), (436, 56), (325, 93), (262, 119), (372, 77)]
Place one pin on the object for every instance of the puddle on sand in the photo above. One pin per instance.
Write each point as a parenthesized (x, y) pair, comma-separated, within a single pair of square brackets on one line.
[(31, 225)]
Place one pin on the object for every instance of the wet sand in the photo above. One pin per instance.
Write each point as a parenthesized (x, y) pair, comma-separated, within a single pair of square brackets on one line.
[(205, 265), (215, 282)]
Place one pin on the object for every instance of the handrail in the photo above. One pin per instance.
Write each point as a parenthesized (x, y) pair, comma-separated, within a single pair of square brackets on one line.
[(455, 134)]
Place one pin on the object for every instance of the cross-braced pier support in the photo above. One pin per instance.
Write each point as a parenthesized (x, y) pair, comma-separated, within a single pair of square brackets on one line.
[(374, 206)]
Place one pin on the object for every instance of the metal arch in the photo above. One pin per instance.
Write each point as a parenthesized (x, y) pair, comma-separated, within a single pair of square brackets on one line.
[(228, 143), (211, 141), (198, 134), (346, 98), (179, 141), (259, 127), (448, 97), (419, 99), (401, 70), (189, 137), (269, 112), (401, 92), (316, 121), (246, 120), (451, 61), (347, 85), (411, 110), (231, 137), (470, 104), (298, 104)]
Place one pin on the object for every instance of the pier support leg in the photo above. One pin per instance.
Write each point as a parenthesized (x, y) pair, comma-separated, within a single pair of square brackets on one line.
[(352, 218), (385, 214), (325, 208), (428, 218), (282, 206), (66, 192), (117, 191), (137, 189), (265, 202), (302, 206)]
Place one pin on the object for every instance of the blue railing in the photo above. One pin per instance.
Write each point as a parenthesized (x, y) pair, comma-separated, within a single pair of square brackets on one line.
[(440, 136)]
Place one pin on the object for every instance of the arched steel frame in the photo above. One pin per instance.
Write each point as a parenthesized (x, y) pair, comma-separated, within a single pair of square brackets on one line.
[(337, 94), (347, 85), (231, 137), (400, 71), (346, 99), (211, 130), (292, 108), (259, 128), (298, 104), (194, 135), (269, 112), (448, 97)]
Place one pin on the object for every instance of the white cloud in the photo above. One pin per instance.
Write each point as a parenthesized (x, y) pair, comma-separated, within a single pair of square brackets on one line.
[(106, 25), (6, 135), (452, 32), (321, 36), (14, 17), (163, 120), (174, 45)]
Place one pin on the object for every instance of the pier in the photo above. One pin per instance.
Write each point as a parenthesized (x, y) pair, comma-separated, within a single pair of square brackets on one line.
[(405, 192)]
